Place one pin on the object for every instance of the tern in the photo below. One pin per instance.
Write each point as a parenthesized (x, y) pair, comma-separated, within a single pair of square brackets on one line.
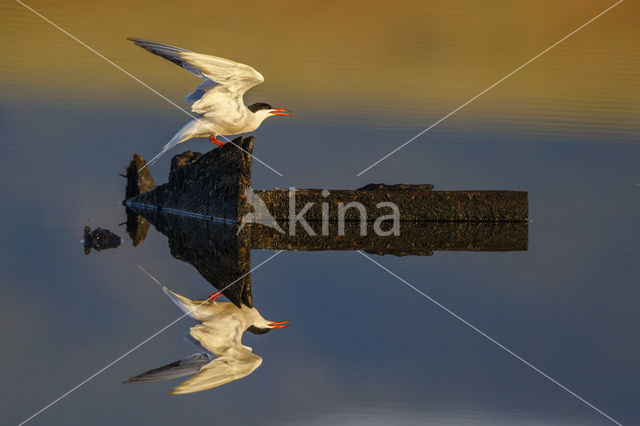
[(218, 100), (219, 333)]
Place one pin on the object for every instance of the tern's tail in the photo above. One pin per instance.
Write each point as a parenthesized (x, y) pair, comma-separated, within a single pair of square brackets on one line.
[(187, 132), (154, 159), (193, 308)]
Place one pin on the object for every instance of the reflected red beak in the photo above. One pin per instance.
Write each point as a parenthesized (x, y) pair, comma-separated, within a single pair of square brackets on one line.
[(215, 295), (281, 111), (280, 324)]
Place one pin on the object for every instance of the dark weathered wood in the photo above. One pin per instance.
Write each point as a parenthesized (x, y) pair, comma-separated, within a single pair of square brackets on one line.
[(214, 185), (414, 204), (213, 248), (416, 238), (138, 182), (137, 227), (222, 256), (199, 210)]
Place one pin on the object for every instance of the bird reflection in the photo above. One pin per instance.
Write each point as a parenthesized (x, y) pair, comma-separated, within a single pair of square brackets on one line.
[(222, 357)]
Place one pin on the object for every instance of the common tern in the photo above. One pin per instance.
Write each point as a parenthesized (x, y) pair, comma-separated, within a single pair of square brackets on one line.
[(218, 100), (219, 333)]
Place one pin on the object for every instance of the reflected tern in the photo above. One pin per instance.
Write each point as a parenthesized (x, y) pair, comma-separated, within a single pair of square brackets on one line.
[(219, 333), (218, 100)]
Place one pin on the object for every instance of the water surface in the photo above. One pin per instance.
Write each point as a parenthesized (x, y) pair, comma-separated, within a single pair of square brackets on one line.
[(363, 347)]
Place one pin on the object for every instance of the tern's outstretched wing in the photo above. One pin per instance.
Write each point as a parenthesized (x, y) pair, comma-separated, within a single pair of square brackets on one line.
[(235, 76), (184, 367), (171, 53), (238, 363)]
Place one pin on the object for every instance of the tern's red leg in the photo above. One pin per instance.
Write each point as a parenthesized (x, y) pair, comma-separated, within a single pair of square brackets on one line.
[(214, 296), (216, 141)]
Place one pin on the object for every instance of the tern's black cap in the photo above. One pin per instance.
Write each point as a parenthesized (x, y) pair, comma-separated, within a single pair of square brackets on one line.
[(255, 330), (258, 106)]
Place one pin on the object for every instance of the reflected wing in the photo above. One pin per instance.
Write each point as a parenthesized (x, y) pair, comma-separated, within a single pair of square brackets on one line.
[(237, 364), (236, 76), (222, 335), (184, 367)]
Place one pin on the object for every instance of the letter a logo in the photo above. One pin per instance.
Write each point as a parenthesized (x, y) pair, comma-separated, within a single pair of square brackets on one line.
[(260, 213)]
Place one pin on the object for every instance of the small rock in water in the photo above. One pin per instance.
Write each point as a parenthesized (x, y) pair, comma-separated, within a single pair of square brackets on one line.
[(99, 239)]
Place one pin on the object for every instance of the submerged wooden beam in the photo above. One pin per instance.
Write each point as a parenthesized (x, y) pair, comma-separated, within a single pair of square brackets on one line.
[(214, 185), (217, 252), (415, 203), (209, 185), (223, 256), (202, 206), (414, 239)]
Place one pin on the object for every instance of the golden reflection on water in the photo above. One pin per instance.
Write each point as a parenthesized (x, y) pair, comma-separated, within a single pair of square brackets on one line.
[(402, 61)]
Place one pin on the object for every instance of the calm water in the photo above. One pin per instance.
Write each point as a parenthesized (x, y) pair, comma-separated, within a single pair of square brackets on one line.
[(363, 348)]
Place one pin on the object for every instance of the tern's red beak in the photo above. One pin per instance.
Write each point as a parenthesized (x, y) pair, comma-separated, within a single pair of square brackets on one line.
[(280, 324), (281, 111)]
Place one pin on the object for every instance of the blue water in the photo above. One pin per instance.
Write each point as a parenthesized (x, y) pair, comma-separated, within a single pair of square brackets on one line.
[(363, 348)]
